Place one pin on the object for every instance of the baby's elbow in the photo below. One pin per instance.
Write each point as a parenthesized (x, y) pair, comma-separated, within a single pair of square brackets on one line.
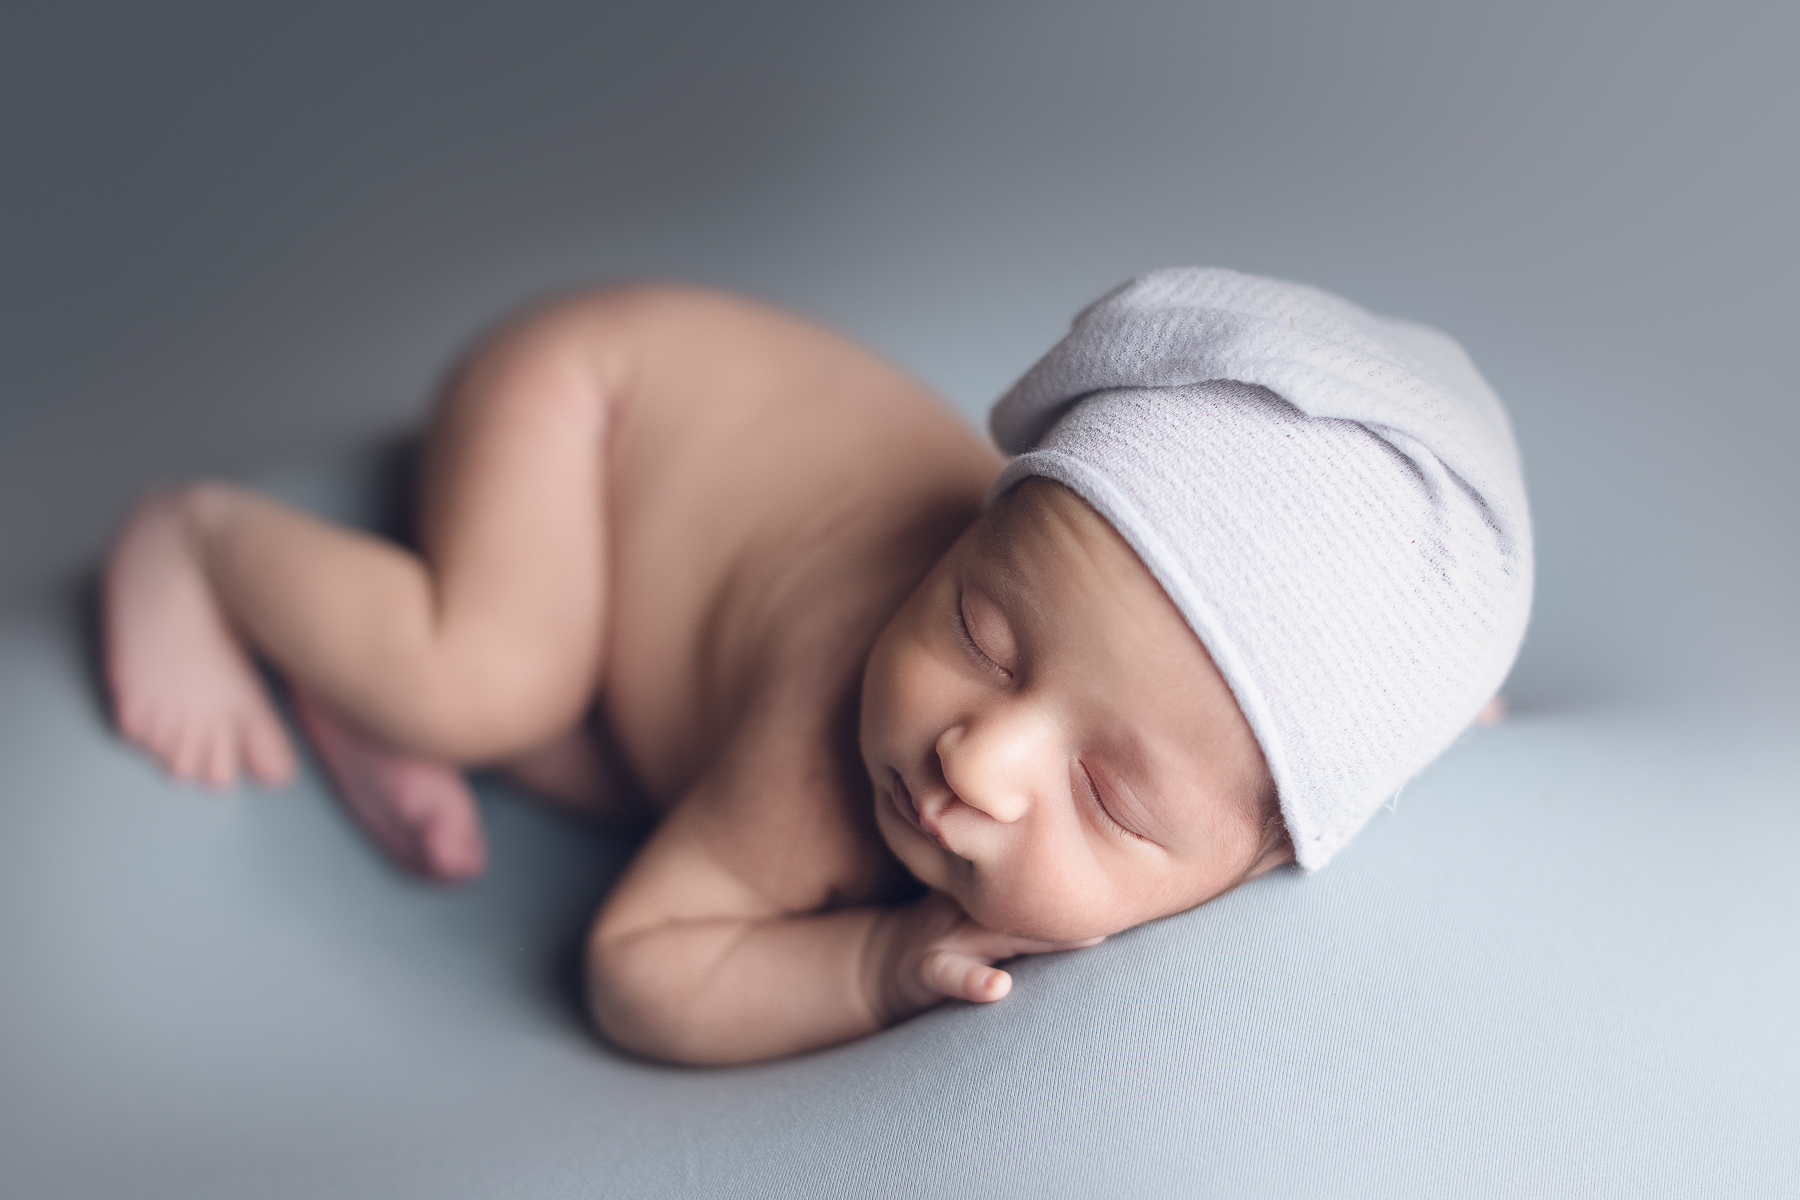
[(624, 1004), (642, 1007)]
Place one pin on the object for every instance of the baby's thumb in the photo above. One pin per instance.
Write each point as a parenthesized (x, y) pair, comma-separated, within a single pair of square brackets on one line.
[(948, 973)]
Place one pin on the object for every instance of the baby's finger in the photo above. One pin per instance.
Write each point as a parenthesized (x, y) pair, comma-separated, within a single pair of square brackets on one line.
[(1033, 946), (949, 973), (985, 943)]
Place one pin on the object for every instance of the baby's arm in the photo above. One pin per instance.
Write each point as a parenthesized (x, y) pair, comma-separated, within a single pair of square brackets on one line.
[(705, 955)]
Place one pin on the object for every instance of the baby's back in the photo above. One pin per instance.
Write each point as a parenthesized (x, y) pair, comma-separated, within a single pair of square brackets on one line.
[(774, 492)]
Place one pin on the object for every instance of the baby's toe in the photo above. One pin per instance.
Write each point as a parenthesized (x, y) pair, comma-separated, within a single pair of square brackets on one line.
[(267, 751), (148, 726), (453, 852), (186, 752), (130, 719), (221, 760)]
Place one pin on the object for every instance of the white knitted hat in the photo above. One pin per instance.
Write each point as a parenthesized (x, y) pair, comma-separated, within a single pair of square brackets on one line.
[(1333, 501)]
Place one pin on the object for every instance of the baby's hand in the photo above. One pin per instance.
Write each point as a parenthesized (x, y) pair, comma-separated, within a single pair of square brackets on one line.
[(931, 950)]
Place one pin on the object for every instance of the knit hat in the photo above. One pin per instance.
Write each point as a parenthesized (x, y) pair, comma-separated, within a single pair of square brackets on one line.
[(1332, 499)]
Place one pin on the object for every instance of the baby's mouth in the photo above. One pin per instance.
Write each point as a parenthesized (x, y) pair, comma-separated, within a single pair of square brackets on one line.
[(907, 807)]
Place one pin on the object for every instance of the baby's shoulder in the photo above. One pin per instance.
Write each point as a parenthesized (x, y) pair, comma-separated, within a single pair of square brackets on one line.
[(788, 806)]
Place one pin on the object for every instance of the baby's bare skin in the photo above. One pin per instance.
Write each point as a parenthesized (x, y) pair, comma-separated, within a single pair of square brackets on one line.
[(662, 529)]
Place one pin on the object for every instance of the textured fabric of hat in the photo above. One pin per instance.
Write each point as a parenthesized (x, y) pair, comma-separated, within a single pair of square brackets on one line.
[(1332, 499)]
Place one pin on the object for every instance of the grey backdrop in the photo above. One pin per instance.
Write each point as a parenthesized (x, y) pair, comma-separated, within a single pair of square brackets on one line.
[(236, 236)]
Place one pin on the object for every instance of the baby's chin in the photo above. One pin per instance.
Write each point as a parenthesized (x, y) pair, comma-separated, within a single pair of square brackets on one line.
[(924, 861), (1043, 918)]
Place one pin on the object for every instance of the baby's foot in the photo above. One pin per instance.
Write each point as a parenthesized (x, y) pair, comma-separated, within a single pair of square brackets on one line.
[(421, 813), (1493, 712), (183, 687)]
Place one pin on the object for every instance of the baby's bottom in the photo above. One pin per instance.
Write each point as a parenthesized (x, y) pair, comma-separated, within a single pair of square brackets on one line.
[(486, 648)]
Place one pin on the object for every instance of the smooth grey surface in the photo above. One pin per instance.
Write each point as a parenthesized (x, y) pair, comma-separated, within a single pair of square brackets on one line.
[(1594, 995), (1565, 966)]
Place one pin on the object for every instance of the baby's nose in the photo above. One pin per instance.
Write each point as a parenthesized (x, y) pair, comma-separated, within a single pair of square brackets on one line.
[(982, 774)]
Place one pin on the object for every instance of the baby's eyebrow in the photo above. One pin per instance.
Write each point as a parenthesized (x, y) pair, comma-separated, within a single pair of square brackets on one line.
[(1004, 580), (1001, 551)]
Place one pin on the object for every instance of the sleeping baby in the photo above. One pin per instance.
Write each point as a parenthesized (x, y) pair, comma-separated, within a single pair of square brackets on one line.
[(894, 709)]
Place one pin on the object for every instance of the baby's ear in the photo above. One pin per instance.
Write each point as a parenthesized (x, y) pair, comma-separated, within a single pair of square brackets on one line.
[(1277, 848), (1281, 857)]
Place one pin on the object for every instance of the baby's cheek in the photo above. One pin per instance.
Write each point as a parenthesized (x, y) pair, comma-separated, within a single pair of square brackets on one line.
[(878, 704), (902, 699), (1027, 908)]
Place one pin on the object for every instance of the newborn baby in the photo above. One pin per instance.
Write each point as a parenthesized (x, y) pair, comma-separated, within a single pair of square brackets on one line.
[(896, 710)]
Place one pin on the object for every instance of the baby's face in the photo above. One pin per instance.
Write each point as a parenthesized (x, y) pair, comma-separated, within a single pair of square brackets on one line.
[(1049, 742)]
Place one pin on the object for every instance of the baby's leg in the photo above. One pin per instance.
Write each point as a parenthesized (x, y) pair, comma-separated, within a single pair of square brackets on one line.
[(421, 812), (483, 648), (182, 685)]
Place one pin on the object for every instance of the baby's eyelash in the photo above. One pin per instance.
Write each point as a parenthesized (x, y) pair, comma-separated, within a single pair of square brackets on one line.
[(968, 640), (1107, 812)]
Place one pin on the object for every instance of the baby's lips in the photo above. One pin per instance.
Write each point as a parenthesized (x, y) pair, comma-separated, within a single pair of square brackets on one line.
[(901, 795), (933, 831), (908, 807)]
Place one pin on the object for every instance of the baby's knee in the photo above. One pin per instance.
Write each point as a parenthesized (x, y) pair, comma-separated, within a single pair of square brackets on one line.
[(476, 717)]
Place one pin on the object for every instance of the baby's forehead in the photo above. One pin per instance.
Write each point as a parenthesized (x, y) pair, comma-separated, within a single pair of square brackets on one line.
[(1072, 585), (1042, 526), (1134, 674), (1050, 550)]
